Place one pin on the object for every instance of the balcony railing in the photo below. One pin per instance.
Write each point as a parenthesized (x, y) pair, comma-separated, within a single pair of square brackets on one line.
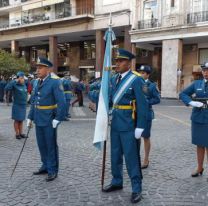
[(43, 17), (150, 23), (196, 17)]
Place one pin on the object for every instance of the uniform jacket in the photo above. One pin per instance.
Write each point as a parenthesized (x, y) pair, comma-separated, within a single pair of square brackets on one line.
[(19, 92), (67, 88), (122, 119), (197, 88), (153, 97), (49, 93)]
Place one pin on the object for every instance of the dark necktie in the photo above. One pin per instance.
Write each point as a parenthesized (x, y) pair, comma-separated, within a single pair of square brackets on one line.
[(119, 79), (40, 82)]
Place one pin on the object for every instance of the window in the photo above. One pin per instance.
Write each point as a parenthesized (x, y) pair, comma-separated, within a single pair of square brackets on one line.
[(172, 3), (89, 50), (150, 9), (203, 56)]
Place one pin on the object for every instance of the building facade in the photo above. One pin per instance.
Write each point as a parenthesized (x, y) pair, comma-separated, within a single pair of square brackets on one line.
[(172, 35), (68, 32)]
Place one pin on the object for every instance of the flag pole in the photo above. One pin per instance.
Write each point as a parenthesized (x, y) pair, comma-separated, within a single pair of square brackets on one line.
[(105, 142)]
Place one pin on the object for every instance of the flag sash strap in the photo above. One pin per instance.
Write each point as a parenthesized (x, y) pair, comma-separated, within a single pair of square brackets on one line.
[(123, 88)]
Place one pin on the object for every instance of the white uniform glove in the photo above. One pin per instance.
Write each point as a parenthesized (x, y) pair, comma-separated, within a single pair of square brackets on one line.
[(138, 132), (196, 104), (29, 123), (55, 123)]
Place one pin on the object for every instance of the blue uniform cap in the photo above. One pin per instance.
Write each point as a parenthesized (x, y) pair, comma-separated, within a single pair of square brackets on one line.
[(124, 54), (44, 62), (204, 66), (20, 74), (145, 68)]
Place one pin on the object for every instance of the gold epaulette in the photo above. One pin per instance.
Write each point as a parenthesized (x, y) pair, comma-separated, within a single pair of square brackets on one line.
[(136, 73), (54, 76)]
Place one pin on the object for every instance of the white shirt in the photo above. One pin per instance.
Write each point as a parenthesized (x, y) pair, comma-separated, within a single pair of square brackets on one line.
[(124, 74)]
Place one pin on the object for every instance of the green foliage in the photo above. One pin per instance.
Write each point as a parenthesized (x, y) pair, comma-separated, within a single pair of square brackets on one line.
[(10, 64)]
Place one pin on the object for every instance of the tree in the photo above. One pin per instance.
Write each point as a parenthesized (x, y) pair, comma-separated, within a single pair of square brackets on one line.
[(10, 64)]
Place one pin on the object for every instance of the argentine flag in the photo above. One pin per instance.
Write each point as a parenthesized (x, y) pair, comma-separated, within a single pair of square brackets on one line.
[(101, 125)]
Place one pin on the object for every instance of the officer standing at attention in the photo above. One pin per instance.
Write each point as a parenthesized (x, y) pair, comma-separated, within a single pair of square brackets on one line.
[(3, 83), (153, 97), (199, 117), (126, 128), (19, 90), (68, 94), (47, 111)]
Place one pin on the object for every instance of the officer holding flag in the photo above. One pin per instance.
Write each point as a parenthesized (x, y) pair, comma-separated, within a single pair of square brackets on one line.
[(127, 99)]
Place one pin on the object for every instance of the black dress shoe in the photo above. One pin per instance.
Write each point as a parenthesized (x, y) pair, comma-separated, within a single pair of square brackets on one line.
[(51, 177), (197, 174), (136, 197), (40, 172), (18, 137), (23, 135), (111, 188)]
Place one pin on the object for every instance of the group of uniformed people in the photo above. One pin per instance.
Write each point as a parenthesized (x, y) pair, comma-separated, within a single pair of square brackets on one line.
[(132, 95)]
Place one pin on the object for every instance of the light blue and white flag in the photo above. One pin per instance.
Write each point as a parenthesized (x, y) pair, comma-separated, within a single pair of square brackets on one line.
[(101, 125)]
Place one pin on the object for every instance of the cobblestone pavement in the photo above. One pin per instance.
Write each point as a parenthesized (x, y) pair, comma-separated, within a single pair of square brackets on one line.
[(167, 181)]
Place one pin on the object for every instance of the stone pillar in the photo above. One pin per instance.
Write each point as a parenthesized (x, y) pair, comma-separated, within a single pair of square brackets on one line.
[(100, 44), (171, 61), (15, 47), (133, 50), (127, 39), (53, 56)]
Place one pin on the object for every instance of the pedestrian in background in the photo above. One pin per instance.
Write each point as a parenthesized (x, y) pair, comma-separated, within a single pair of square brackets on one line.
[(79, 88), (3, 83), (19, 90), (47, 110), (153, 97), (199, 117), (68, 95)]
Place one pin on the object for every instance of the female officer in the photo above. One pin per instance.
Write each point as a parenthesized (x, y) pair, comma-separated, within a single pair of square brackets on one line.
[(19, 89), (199, 117), (153, 97)]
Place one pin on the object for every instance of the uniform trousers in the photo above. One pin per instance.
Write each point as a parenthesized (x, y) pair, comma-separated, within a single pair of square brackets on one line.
[(67, 107), (48, 148), (125, 143)]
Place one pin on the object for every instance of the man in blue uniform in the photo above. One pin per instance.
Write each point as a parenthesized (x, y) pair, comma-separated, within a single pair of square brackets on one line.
[(3, 83), (199, 117), (153, 97), (94, 92), (19, 90), (126, 127), (47, 111), (68, 94)]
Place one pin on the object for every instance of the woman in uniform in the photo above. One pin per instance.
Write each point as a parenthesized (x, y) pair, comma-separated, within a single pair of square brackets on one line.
[(199, 118), (153, 97), (19, 90)]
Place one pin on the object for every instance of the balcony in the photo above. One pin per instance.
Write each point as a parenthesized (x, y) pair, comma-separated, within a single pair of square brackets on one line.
[(149, 23), (193, 18), (33, 17)]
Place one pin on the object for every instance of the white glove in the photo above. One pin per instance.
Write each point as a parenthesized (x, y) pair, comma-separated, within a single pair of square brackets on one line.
[(29, 123), (196, 104), (138, 132), (55, 123)]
